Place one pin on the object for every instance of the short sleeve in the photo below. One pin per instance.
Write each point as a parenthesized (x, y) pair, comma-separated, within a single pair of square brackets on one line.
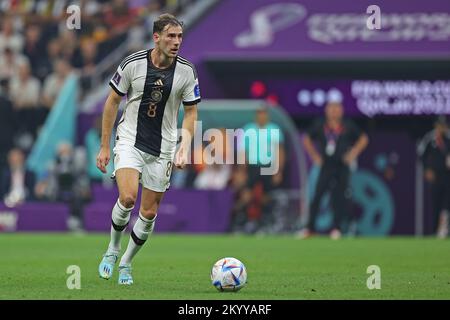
[(120, 81), (191, 92)]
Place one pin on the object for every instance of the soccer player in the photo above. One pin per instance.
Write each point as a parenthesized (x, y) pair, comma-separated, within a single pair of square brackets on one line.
[(155, 81)]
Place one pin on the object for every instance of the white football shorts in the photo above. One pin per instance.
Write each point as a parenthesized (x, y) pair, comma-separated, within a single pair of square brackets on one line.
[(154, 171)]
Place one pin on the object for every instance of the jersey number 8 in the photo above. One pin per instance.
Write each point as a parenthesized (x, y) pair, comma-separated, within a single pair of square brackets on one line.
[(152, 110)]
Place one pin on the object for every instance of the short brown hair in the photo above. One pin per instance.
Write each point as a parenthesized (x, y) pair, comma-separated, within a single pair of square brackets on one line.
[(164, 20)]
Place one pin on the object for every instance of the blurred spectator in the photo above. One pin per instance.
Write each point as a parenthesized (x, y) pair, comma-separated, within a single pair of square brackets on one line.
[(68, 182), (434, 151), (9, 38), (10, 63), (69, 44), (88, 57), (47, 60), (7, 127), (339, 144), (54, 82), (17, 183), (242, 197), (34, 48), (213, 177), (86, 62), (216, 175), (24, 89), (118, 16), (256, 198), (24, 93)]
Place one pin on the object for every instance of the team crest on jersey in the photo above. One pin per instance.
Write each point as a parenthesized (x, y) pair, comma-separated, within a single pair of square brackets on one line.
[(156, 96), (116, 78), (156, 93)]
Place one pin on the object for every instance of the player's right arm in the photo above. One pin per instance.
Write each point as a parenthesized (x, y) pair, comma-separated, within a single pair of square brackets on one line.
[(108, 119), (120, 83)]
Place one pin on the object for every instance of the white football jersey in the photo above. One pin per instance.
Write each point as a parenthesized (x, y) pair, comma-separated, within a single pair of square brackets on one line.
[(149, 120)]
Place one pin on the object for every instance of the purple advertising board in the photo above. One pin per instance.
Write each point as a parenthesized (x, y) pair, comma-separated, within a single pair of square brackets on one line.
[(363, 97), (360, 97), (188, 211), (315, 29)]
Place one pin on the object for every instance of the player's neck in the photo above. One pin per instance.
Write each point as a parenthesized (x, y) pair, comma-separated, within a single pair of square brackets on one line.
[(160, 60), (334, 123)]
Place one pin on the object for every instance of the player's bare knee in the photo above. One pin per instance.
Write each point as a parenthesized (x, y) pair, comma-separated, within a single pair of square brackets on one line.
[(128, 200), (148, 213)]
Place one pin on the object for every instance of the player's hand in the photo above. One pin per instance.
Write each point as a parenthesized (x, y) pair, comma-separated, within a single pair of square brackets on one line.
[(181, 158), (103, 158)]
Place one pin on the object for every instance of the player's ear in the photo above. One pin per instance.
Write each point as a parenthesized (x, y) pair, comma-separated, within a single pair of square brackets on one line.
[(156, 37)]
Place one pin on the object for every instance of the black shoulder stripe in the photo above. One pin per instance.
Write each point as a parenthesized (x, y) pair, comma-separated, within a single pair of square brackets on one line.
[(137, 58), (130, 57), (184, 59), (137, 54), (122, 65), (181, 60), (192, 67), (134, 54)]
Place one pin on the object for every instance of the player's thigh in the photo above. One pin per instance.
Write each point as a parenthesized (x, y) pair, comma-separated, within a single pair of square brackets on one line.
[(128, 184), (155, 181), (156, 174), (150, 201), (128, 164)]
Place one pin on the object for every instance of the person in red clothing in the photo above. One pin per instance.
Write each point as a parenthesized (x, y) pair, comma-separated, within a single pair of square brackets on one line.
[(119, 16)]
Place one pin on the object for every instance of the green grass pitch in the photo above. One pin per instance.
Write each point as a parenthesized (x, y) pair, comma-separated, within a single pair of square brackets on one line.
[(173, 266)]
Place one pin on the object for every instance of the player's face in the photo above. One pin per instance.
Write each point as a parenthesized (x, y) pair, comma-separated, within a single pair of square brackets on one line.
[(169, 41)]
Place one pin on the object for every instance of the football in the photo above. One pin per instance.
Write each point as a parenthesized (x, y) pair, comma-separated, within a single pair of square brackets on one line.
[(229, 274)]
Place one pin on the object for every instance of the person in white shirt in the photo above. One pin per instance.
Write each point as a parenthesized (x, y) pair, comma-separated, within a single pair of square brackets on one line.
[(156, 82)]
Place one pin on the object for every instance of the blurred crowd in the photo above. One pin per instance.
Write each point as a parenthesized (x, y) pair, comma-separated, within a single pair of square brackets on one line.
[(38, 51)]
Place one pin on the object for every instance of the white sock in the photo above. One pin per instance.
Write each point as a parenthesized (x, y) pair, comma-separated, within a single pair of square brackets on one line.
[(141, 230), (119, 221)]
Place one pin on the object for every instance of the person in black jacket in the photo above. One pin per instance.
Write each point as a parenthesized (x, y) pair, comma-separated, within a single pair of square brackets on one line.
[(7, 125), (339, 143), (434, 151)]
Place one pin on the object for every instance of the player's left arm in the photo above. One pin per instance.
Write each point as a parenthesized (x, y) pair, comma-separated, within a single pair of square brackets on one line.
[(191, 97), (187, 132)]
